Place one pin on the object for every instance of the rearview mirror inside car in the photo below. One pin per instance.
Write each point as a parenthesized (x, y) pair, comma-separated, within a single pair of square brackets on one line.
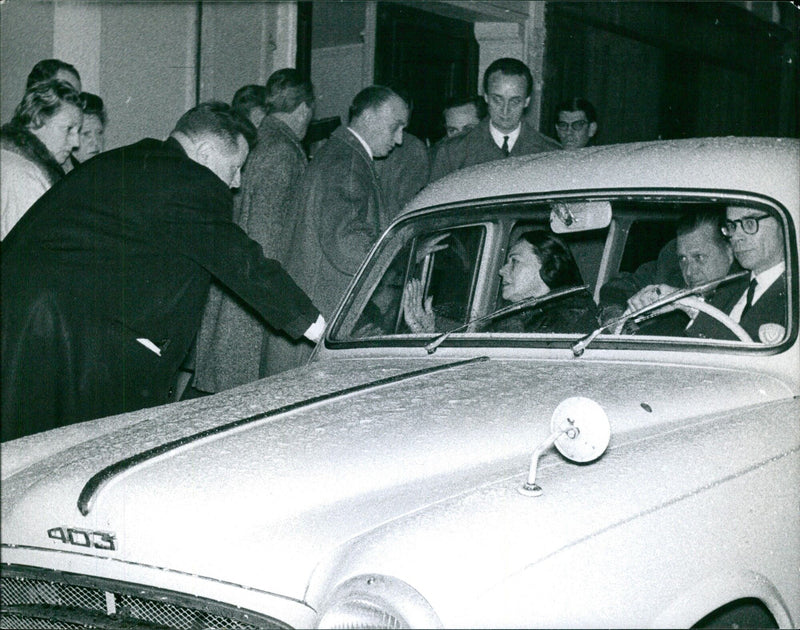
[(579, 216)]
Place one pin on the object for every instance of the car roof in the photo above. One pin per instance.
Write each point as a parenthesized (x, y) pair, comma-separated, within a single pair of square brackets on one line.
[(769, 166)]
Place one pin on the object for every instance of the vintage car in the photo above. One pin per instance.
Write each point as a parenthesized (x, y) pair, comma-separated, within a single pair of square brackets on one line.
[(469, 474)]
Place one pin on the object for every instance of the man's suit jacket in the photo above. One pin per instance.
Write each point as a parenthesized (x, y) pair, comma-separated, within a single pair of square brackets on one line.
[(476, 146), (339, 215), (232, 336), (404, 172), (120, 250), (769, 309)]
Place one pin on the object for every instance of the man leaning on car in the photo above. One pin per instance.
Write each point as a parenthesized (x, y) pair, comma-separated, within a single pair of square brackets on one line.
[(106, 276)]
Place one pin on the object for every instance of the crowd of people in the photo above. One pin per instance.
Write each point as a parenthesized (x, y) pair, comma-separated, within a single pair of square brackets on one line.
[(108, 294)]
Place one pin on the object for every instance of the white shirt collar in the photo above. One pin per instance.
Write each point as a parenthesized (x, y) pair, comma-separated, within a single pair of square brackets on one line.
[(764, 281), (766, 278), (363, 143), (498, 136)]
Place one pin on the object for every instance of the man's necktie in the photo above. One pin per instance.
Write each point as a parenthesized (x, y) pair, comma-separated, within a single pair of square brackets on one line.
[(750, 292), (504, 148)]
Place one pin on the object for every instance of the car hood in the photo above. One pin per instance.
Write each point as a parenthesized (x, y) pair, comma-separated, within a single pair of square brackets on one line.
[(331, 452)]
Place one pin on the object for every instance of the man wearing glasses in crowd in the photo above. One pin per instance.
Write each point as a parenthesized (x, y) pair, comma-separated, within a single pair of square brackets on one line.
[(758, 302), (576, 123)]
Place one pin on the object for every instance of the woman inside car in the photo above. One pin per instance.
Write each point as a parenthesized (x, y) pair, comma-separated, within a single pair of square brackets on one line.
[(537, 264)]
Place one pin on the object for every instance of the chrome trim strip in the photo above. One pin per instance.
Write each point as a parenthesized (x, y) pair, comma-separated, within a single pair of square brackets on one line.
[(99, 480)]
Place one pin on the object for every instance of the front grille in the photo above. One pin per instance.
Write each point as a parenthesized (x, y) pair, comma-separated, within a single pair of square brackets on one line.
[(37, 599)]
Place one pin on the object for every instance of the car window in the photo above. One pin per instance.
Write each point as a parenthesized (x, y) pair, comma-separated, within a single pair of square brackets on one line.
[(456, 258), (444, 262)]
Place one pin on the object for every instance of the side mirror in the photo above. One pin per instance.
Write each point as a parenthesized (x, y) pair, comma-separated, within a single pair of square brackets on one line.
[(579, 216), (580, 431)]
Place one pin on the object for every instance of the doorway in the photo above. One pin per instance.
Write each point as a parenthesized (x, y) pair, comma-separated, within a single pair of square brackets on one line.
[(432, 56)]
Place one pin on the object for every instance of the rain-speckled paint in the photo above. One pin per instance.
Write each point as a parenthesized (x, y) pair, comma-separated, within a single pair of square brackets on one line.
[(694, 504)]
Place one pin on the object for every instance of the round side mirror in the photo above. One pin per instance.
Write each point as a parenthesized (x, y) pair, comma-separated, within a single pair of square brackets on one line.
[(585, 429), (580, 431)]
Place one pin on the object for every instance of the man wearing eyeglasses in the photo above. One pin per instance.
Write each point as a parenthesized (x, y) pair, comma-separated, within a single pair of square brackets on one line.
[(576, 123), (507, 87), (758, 302)]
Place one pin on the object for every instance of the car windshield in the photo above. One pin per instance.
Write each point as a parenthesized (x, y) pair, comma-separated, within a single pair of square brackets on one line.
[(449, 269)]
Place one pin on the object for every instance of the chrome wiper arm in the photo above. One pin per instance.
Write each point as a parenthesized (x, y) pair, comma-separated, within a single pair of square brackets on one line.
[(582, 344), (511, 308)]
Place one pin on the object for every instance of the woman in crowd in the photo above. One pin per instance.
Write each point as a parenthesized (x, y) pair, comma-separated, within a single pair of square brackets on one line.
[(39, 138), (537, 264), (92, 134)]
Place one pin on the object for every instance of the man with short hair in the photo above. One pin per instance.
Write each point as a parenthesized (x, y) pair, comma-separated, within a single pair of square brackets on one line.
[(757, 303), (576, 123), (461, 114), (105, 278), (250, 101), (49, 69), (231, 338), (507, 87), (407, 168), (340, 211), (702, 255)]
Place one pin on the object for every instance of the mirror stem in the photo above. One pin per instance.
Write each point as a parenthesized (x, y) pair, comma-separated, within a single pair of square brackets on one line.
[(531, 488)]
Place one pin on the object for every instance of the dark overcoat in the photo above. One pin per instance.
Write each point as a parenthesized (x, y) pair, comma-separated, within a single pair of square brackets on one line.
[(339, 216), (404, 172), (232, 337), (104, 281), (476, 146)]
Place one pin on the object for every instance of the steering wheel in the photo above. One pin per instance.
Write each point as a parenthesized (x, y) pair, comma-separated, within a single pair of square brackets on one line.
[(694, 302)]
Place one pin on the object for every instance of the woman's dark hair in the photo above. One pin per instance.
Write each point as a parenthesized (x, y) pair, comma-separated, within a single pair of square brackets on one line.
[(42, 101), (92, 105), (559, 268)]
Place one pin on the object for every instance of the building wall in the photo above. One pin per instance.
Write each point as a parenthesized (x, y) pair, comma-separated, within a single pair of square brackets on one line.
[(336, 75), (26, 36), (147, 76), (337, 55)]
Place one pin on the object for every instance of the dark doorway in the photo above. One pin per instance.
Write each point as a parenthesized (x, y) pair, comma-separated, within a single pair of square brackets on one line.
[(671, 69), (303, 54), (434, 57)]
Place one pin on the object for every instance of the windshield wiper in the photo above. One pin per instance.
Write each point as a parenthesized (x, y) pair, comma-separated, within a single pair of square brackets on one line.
[(582, 344), (516, 306)]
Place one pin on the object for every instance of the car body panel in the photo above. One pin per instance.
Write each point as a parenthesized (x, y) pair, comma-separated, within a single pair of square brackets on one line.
[(285, 494), (727, 164)]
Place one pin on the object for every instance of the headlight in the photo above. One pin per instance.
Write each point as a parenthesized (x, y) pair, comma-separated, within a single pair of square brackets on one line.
[(376, 601)]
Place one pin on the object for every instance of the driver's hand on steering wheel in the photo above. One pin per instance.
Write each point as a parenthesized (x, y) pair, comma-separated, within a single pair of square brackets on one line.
[(654, 292), (650, 294)]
